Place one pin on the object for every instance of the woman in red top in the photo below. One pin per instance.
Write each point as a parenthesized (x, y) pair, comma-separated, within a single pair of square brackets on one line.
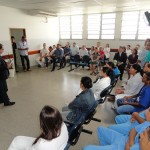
[(102, 57)]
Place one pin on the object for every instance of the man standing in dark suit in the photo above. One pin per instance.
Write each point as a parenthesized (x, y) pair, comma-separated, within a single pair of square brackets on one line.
[(4, 74), (121, 58)]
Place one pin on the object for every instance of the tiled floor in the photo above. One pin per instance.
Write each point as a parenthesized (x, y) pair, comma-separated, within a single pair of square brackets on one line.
[(31, 91)]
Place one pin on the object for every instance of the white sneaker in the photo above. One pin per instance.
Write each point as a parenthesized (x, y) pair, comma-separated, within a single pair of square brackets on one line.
[(113, 107)]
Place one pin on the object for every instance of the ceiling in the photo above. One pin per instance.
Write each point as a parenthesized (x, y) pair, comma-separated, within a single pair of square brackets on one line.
[(73, 7)]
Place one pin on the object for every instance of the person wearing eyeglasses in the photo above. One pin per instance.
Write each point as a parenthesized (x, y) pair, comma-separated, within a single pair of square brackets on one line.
[(4, 74)]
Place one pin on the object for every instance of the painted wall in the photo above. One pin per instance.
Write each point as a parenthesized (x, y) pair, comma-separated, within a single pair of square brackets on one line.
[(38, 30), (113, 43)]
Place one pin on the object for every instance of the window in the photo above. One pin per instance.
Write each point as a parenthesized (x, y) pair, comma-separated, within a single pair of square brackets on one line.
[(108, 26), (76, 27), (65, 27), (129, 25), (93, 26), (143, 29)]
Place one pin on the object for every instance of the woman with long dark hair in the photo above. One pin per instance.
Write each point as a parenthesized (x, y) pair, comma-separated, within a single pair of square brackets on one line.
[(54, 134)]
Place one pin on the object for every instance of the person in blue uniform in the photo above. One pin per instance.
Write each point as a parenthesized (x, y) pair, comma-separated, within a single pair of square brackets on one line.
[(138, 102), (112, 140), (127, 122)]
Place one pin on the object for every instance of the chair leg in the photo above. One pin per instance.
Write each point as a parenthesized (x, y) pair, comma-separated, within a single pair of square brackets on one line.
[(87, 131), (70, 68), (67, 147), (95, 119)]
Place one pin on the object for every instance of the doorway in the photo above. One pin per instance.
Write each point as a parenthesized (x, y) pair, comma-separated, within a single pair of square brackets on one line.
[(15, 36)]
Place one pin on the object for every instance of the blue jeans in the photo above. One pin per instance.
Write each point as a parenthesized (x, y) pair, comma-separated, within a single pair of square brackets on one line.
[(122, 109)]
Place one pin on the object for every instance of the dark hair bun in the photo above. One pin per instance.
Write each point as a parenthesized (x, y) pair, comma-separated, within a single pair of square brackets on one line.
[(87, 82)]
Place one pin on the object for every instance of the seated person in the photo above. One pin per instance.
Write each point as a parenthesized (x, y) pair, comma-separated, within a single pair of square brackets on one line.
[(134, 84), (102, 83), (120, 57), (128, 50), (138, 102), (43, 59), (107, 51), (102, 57), (132, 59), (74, 49), (94, 61), (82, 103), (54, 134), (51, 51), (83, 51), (146, 67), (91, 51), (112, 66), (66, 55), (112, 140), (57, 57), (135, 119)]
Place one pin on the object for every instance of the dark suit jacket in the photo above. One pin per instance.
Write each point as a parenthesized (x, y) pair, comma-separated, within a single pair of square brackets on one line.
[(4, 72), (122, 58)]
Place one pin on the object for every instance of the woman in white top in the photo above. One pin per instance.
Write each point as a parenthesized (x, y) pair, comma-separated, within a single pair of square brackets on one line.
[(83, 51), (42, 59), (102, 83), (128, 50), (134, 84), (54, 134), (91, 51), (107, 51)]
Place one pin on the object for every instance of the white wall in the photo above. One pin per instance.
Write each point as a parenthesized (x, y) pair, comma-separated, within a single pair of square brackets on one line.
[(37, 30), (113, 43)]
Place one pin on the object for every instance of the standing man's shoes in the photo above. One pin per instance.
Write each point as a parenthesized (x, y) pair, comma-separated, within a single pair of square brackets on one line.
[(9, 104), (59, 68), (24, 70), (29, 70)]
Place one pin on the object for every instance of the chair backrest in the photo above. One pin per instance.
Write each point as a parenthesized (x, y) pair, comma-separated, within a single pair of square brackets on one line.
[(86, 59), (75, 131), (105, 93), (77, 58), (89, 115), (117, 76), (114, 82)]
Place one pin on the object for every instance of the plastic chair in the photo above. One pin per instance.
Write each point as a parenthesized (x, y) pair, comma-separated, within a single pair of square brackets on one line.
[(85, 61), (104, 94), (74, 131), (90, 115), (74, 60)]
